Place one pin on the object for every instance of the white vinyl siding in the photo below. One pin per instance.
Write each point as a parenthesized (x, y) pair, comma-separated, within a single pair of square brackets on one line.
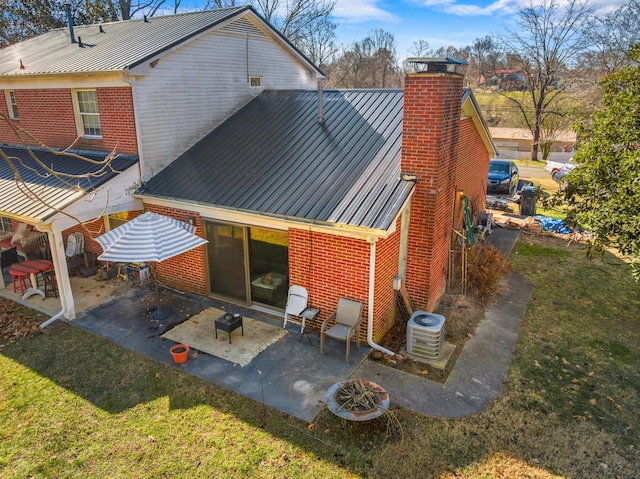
[(88, 116), (12, 105), (189, 92)]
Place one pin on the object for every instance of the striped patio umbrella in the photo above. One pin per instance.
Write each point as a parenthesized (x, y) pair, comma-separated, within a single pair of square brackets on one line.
[(149, 238)]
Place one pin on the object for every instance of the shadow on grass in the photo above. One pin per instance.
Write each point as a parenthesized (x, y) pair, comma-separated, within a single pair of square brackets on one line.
[(577, 353), (110, 376)]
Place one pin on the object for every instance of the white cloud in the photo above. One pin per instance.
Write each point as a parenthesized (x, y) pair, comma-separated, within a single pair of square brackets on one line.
[(359, 11), (505, 7), (499, 7)]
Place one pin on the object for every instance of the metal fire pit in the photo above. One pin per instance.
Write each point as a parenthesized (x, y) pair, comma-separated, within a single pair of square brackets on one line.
[(381, 401)]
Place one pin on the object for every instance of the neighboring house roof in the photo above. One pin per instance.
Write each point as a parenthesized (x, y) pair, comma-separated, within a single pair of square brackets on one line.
[(499, 133), (116, 46), (274, 157), (52, 193)]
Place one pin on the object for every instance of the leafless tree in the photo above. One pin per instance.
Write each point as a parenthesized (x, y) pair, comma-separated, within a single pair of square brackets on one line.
[(613, 35), (484, 56), (211, 4), (39, 168), (294, 18), (542, 50), (128, 8), (370, 63), (420, 49), (318, 44)]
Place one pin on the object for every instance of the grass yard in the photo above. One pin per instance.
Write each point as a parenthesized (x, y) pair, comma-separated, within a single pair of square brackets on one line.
[(73, 405)]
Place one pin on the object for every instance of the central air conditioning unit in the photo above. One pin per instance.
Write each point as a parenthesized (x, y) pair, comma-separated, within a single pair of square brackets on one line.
[(425, 334)]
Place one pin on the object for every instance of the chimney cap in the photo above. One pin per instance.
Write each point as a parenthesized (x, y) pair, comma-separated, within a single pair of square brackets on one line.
[(435, 64)]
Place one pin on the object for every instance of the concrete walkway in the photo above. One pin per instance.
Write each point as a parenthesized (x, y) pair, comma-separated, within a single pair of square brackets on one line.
[(480, 371)]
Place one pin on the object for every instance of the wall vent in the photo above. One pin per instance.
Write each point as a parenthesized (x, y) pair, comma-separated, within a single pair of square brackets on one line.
[(243, 26)]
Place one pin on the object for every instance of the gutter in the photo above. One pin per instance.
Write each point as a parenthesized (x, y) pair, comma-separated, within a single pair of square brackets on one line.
[(237, 216), (372, 275)]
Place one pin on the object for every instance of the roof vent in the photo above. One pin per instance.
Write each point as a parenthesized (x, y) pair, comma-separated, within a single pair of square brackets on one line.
[(22, 67), (145, 19), (435, 65), (67, 7), (80, 42), (320, 98), (101, 29)]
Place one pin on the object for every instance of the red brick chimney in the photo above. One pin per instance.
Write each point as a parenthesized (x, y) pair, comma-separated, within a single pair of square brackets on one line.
[(432, 104)]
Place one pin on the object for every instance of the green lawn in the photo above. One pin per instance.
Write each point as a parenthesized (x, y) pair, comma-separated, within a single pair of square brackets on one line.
[(74, 405)]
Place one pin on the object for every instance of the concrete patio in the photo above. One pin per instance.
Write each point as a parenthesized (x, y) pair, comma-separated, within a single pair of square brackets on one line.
[(291, 375)]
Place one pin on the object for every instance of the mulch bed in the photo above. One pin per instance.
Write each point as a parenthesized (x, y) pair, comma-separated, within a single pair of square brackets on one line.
[(462, 313)]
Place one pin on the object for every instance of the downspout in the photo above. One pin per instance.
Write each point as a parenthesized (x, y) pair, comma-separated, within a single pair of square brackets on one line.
[(372, 277), (131, 81)]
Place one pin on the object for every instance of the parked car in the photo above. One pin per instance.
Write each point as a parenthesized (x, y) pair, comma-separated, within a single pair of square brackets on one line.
[(557, 175), (503, 176), (553, 166)]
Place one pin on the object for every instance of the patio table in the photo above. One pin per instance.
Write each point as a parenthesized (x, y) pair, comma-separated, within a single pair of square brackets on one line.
[(32, 268), (229, 323)]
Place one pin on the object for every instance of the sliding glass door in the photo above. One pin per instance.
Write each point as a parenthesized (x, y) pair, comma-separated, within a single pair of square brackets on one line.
[(226, 258), (249, 265), (269, 266)]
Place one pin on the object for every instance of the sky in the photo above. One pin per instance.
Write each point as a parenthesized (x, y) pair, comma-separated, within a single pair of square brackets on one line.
[(439, 22)]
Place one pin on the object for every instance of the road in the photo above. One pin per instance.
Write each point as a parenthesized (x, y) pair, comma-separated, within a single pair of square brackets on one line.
[(529, 172)]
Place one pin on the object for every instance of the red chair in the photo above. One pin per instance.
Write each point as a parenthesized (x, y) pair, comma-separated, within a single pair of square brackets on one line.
[(21, 279)]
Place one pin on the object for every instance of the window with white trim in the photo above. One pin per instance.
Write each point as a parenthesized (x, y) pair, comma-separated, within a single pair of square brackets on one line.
[(116, 219), (5, 225), (12, 105), (88, 116)]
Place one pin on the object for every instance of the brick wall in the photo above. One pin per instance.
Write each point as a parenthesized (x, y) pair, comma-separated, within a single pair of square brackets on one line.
[(385, 309), (187, 271), (432, 103), (48, 115), (472, 168), (331, 267)]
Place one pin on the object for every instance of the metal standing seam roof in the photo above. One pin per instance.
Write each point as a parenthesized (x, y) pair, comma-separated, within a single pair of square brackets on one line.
[(52, 193), (121, 45), (273, 157)]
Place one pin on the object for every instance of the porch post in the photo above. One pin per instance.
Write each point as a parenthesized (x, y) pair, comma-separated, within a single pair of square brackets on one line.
[(62, 275)]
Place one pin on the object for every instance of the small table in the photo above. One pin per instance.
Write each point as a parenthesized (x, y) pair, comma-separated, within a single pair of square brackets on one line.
[(229, 322), (141, 270), (308, 314), (32, 268)]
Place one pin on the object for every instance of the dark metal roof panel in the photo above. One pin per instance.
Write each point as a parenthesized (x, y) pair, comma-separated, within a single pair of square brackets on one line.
[(274, 157), (52, 192), (123, 44)]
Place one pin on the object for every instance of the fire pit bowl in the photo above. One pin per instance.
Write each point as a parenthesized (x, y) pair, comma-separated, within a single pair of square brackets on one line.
[(357, 400)]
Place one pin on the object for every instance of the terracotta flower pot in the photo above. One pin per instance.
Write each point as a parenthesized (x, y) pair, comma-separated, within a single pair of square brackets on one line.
[(180, 353)]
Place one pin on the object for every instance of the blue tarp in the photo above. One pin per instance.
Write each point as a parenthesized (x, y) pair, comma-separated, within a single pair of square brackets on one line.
[(553, 224)]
